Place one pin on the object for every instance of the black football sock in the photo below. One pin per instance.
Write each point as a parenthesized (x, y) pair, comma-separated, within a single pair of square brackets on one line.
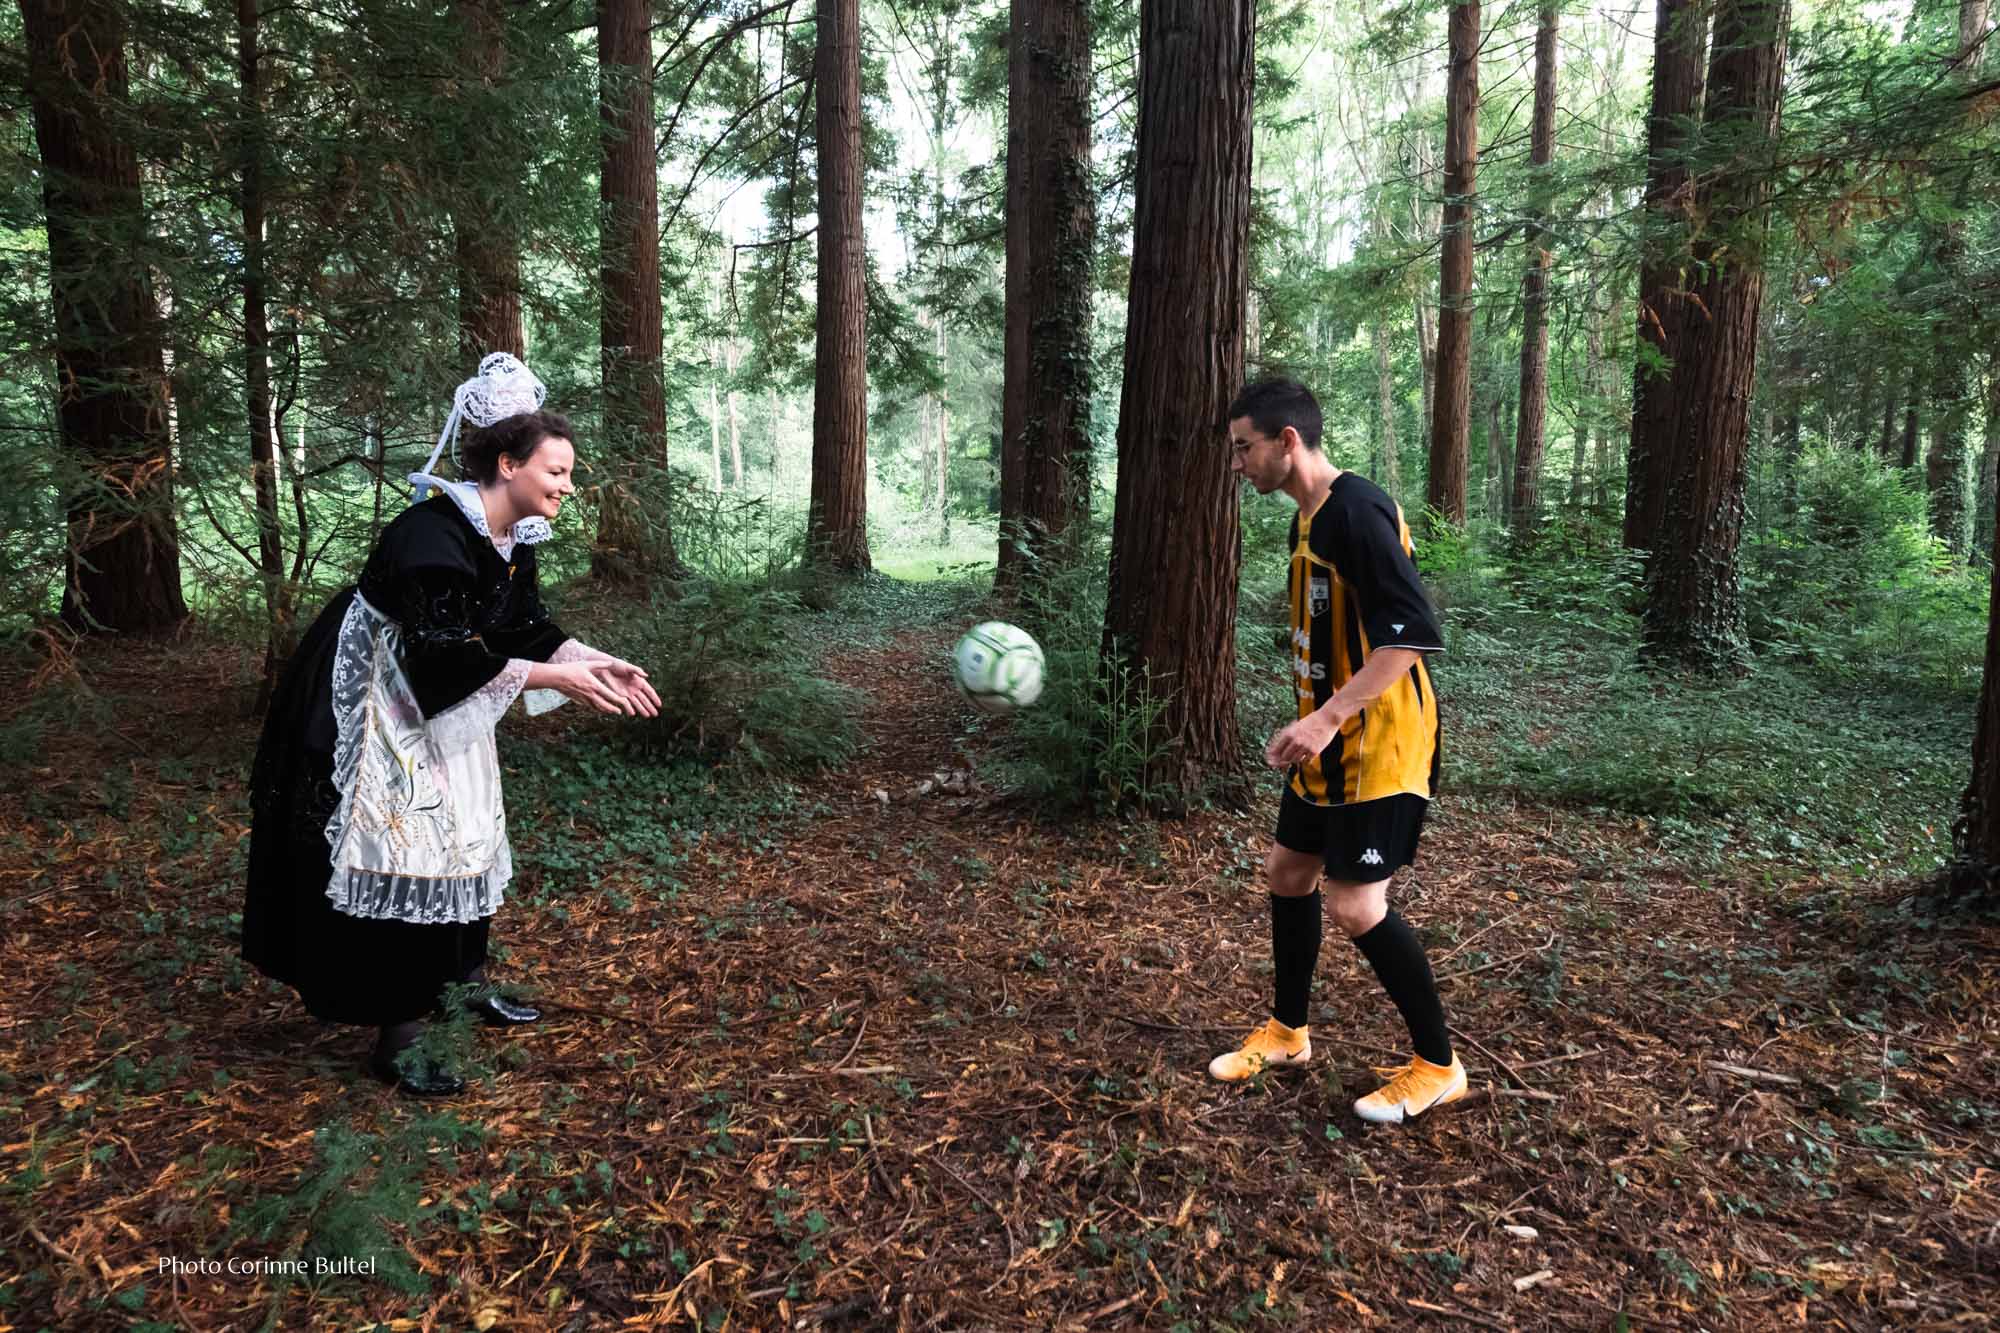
[(1295, 930), (1397, 956)]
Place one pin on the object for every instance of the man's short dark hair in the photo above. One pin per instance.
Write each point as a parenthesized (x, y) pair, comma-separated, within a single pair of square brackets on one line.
[(1274, 404)]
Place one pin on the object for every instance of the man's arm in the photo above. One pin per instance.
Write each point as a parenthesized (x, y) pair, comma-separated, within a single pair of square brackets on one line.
[(1312, 733)]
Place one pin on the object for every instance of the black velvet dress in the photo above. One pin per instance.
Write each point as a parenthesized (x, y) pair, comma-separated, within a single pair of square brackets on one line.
[(460, 612)]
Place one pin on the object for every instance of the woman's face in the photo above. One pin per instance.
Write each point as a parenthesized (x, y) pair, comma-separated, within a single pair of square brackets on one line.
[(538, 485)]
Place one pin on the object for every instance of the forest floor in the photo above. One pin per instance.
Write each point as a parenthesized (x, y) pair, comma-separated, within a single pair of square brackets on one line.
[(900, 1052)]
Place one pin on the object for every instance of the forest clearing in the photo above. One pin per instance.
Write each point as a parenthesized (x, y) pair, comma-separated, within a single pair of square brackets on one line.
[(1236, 664), (935, 1061)]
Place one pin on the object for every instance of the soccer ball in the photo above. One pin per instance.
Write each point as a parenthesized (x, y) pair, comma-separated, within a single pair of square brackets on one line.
[(998, 666)]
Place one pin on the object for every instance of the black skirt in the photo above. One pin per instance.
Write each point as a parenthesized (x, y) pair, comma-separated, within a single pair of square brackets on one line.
[(346, 969)]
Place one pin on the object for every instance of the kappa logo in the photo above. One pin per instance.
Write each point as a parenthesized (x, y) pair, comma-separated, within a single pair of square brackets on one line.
[(1371, 857), (1397, 628)]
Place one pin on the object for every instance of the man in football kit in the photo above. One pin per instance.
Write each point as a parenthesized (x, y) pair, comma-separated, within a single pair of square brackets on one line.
[(1359, 759)]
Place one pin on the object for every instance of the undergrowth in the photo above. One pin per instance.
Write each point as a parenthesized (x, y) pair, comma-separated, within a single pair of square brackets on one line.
[(1843, 749)]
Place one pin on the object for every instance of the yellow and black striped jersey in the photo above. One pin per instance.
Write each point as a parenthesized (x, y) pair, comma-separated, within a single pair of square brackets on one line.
[(1354, 588)]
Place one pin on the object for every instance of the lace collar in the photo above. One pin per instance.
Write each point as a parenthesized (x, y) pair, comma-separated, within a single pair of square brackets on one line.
[(465, 495)]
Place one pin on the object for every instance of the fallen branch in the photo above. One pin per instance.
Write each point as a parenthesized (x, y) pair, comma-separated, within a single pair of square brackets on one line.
[(973, 1190), (1744, 1071), (1563, 1059), (1466, 1315), (1101, 1312), (1512, 1072), (859, 1033)]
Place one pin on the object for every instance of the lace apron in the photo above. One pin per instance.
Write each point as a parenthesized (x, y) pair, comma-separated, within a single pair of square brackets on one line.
[(420, 834)]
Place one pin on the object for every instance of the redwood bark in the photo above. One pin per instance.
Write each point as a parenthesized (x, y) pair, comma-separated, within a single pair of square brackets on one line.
[(123, 568), (1451, 413), (1051, 240), (837, 521), (1176, 538), (488, 247), (635, 403), (1694, 610), (1975, 867), (1532, 424), (1679, 55)]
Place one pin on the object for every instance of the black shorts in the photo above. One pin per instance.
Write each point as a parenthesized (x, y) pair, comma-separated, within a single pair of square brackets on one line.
[(1362, 842)]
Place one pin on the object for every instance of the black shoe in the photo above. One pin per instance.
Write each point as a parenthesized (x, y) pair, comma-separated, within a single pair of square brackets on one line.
[(497, 1011), (424, 1079)]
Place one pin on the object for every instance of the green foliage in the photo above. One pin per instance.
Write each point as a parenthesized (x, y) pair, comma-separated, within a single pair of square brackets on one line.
[(1856, 586), (1541, 695), (1092, 738), (1446, 556), (801, 726), (359, 1189)]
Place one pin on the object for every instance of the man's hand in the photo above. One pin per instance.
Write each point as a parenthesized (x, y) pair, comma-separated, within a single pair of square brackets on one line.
[(1301, 740)]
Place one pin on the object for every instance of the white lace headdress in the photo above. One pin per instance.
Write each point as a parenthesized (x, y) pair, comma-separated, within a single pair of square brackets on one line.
[(503, 388)]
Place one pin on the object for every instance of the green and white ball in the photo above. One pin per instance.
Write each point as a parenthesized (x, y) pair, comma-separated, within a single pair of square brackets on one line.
[(998, 666)]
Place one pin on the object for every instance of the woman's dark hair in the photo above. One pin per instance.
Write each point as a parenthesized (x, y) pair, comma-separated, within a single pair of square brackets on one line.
[(517, 437), (1274, 404)]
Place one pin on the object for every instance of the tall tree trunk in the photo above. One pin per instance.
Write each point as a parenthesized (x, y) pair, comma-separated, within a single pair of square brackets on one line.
[(1788, 433), (1176, 540), (1425, 176), (1945, 474), (1388, 463), (1975, 836), (777, 437), (837, 523), (1529, 434), (1451, 414), (1989, 459), (635, 391), (1680, 39), (714, 430), (278, 634), (1865, 403), (123, 568), (1051, 240), (378, 457), (1972, 52), (1906, 449), (1610, 392), (488, 248), (1579, 446), (1588, 408), (1694, 609), (734, 359), (1427, 360), (944, 432)]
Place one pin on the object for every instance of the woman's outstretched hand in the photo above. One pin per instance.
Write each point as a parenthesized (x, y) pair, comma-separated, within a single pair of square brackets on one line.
[(598, 684), (632, 685)]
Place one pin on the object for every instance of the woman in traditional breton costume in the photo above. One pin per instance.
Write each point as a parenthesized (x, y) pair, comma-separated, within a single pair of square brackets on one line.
[(378, 847)]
